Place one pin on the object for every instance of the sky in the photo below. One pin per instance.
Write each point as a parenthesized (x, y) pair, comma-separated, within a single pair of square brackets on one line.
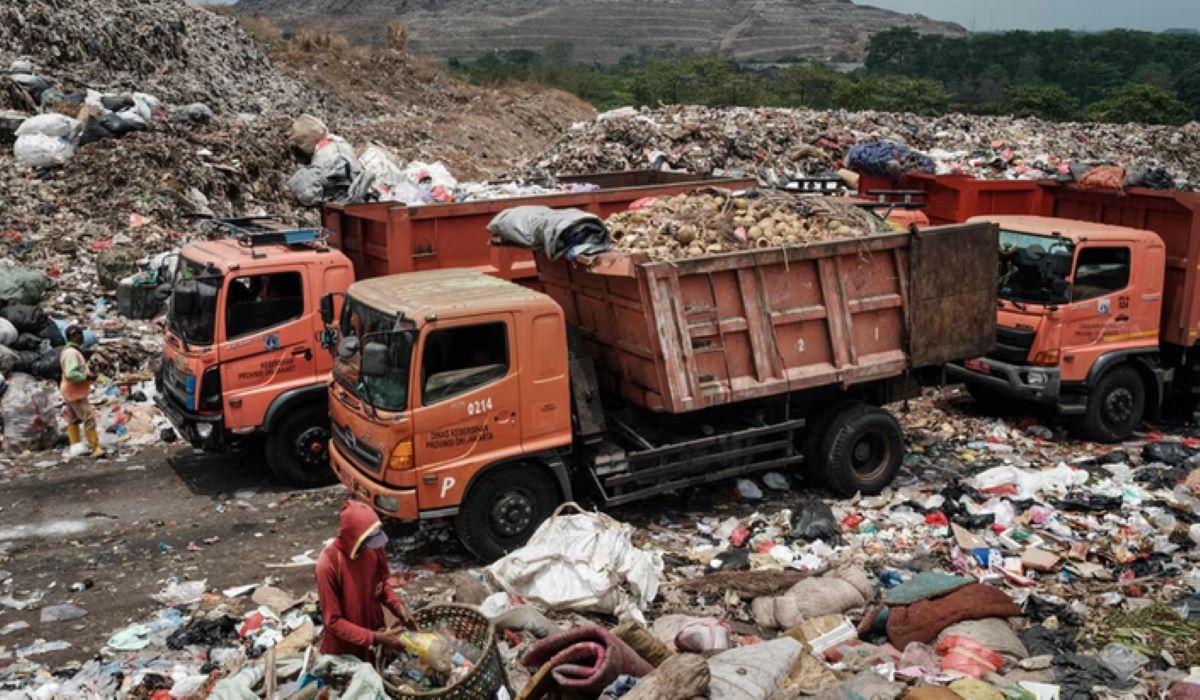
[(1092, 15)]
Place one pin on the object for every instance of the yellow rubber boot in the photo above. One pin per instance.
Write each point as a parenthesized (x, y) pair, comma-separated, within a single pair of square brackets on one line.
[(73, 433), (94, 442)]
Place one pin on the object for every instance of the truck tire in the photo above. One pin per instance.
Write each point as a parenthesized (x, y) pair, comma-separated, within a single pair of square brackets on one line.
[(297, 450), (1115, 406), (503, 508), (861, 450)]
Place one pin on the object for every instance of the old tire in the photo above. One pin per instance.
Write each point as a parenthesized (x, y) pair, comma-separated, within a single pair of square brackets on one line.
[(503, 508), (1115, 406), (861, 450), (813, 435), (297, 450)]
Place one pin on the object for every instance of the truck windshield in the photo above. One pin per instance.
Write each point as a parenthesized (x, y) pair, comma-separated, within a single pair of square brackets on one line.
[(193, 312), (389, 392), (1035, 269)]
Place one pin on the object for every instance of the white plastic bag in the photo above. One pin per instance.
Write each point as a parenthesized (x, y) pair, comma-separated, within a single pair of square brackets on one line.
[(583, 562), (30, 421), (56, 125), (41, 151), (8, 332)]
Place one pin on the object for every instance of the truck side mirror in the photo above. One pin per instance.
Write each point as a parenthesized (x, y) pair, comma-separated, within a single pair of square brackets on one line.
[(347, 348), (375, 359), (186, 298), (1061, 289), (327, 308)]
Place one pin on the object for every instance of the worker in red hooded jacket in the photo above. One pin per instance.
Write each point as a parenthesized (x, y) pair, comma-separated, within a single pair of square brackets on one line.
[(352, 583)]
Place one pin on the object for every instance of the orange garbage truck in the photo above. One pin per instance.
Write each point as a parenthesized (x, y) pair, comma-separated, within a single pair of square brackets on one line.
[(242, 363), (1098, 316), (460, 395)]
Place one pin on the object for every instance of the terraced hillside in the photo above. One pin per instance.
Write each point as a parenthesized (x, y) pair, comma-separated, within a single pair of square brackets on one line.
[(605, 30)]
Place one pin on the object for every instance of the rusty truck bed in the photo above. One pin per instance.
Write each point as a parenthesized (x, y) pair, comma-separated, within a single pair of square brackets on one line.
[(688, 334), (388, 238)]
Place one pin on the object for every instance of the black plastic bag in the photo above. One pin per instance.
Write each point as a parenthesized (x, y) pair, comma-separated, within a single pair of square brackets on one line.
[(26, 318), (47, 365), (27, 341), (119, 126), (814, 520), (50, 331), (116, 103), (203, 633), (1171, 453)]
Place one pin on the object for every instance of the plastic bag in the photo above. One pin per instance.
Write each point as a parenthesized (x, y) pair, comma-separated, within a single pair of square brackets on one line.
[(814, 520), (57, 126), (583, 562), (48, 365), (966, 656), (8, 359), (307, 132), (30, 421), (41, 151), (21, 286), (8, 332)]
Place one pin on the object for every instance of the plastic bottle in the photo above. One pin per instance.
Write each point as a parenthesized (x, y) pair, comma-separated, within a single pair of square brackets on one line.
[(433, 651)]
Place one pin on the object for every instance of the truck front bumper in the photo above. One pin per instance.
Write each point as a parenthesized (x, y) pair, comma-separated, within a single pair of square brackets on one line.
[(202, 432), (400, 504), (1012, 380)]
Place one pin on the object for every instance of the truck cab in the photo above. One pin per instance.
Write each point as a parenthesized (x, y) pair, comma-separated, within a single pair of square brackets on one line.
[(242, 361), (1079, 311), (446, 378)]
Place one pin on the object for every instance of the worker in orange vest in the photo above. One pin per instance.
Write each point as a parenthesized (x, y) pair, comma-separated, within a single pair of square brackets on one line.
[(75, 386)]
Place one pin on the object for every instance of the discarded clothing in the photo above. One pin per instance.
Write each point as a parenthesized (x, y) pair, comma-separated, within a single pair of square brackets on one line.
[(923, 586), (921, 622), (584, 660), (681, 677)]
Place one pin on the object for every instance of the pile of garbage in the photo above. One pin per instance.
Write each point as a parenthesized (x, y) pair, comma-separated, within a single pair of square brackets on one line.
[(183, 54), (336, 172), (715, 221), (783, 144), (1006, 562)]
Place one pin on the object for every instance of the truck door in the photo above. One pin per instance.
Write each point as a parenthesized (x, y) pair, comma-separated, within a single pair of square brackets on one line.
[(466, 407), (267, 342), (1099, 317)]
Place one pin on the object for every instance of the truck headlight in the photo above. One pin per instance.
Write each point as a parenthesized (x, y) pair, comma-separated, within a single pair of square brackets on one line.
[(204, 430), (1037, 378), (389, 504)]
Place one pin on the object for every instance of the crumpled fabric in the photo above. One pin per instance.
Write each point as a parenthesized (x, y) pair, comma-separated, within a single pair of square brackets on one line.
[(553, 232), (844, 588), (584, 660), (888, 158), (923, 586), (922, 621), (681, 677)]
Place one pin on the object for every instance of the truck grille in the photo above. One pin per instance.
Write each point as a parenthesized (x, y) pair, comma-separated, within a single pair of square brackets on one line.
[(181, 386), (364, 456), (1013, 345)]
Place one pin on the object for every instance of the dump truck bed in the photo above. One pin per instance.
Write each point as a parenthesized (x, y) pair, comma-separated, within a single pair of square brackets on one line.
[(688, 334), (1174, 216), (388, 238)]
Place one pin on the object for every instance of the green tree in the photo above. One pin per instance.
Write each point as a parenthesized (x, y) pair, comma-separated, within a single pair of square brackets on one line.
[(1044, 101), (894, 95), (1187, 87), (1139, 103), (892, 50)]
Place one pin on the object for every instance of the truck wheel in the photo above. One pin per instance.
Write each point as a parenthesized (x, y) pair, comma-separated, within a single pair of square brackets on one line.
[(861, 450), (503, 509), (298, 449), (1115, 406)]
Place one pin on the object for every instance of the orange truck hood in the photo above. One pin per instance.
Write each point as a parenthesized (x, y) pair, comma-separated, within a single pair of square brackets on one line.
[(182, 370)]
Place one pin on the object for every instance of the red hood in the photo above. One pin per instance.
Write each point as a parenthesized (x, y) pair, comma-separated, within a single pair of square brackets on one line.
[(357, 522)]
